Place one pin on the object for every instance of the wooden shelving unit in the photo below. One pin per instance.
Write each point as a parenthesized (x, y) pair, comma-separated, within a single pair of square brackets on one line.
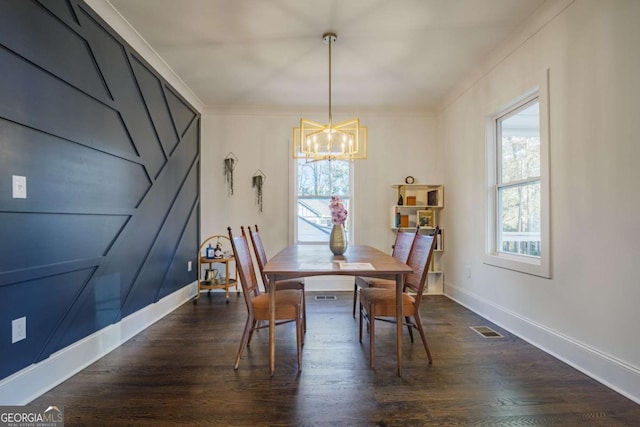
[(226, 261), (421, 205)]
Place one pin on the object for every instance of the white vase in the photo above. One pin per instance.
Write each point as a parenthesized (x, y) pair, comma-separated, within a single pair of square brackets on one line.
[(338, 239)]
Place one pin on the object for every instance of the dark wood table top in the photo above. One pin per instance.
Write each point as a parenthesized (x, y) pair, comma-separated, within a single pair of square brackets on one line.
[(315, 260)]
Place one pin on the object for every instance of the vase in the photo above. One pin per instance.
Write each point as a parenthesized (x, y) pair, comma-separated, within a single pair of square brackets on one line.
[(338, 239)]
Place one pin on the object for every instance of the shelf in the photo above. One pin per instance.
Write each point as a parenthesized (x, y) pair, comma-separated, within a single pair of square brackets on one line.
[(219, 267), (427, 202)]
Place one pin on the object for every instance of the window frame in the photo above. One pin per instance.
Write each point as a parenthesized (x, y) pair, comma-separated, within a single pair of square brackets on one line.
[(538, 266), (294, 207)]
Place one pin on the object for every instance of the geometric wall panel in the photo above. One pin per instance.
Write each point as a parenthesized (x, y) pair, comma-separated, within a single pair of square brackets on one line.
[(153, 95), (44, 238), (69, 176), (182, 114), (111, 155)]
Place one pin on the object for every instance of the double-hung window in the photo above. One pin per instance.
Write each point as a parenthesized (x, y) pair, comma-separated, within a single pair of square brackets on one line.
[(316, 182), (518, 187)]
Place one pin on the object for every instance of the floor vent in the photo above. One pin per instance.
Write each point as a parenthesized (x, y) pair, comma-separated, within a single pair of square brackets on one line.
[(486, 331), (326, 298)]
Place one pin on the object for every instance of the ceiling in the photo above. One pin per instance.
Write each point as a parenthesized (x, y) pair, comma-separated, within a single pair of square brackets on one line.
[(389, 53)]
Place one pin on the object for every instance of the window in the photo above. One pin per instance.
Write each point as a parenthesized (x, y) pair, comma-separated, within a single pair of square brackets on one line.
[(518, 181), (315, 183)]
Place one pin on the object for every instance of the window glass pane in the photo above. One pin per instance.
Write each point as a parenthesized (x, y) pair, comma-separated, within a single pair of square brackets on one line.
[(317, 181), (519, 217), (520, 145)]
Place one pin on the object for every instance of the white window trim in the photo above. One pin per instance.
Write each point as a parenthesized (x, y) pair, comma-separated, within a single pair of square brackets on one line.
[(526, 264), (293, 199)]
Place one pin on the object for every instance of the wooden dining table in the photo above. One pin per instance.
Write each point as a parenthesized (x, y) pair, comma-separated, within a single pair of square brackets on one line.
[(297, 261)]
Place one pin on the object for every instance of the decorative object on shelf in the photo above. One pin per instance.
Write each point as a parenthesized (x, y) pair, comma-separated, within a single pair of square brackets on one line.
[(314, 141), (230, 163), (409, 180), (217, 251), (257, 181), (338, 237), (400, 199), (212, 276), (425, 218), (209, 252)]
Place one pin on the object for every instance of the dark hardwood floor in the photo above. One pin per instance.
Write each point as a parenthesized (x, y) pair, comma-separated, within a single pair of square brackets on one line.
[(180, 372)]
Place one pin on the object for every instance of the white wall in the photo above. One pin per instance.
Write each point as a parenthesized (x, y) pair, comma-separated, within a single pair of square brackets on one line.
[(400, 144), (587, 314)]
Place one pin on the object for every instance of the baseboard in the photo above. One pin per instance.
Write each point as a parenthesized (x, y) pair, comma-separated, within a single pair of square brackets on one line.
[(32, 381), (611, 372)]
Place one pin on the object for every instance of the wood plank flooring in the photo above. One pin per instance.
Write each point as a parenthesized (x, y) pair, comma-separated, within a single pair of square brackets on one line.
[(180, 372)]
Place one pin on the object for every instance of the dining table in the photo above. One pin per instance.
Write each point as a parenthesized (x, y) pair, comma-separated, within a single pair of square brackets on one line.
[(300, 260)]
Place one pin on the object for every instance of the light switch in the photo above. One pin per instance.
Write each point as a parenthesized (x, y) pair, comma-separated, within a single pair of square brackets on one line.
[(19, 187), (18, 329)]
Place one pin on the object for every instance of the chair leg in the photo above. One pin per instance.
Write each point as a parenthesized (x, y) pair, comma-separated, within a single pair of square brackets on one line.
[(299, 335), (422, 336), (355, 298), (304, 311), (253, 329), (248, 329), (360, 323), (372, 333), (408, 321)]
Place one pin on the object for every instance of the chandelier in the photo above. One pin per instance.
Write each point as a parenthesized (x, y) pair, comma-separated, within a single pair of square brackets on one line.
[(314, 141)]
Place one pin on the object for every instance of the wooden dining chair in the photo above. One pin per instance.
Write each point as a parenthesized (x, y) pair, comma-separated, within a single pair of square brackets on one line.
[(380, 303), (401, 249), (288, 301), (261, 257)]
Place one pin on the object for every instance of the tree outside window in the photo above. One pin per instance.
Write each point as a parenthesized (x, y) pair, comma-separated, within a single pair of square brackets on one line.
[(518, 186), (316, 182)]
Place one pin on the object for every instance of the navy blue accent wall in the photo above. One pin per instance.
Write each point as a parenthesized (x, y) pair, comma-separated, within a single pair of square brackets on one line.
[(111, 156)]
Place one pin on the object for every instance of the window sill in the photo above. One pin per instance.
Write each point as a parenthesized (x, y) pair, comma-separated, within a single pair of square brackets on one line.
[(522, 264)]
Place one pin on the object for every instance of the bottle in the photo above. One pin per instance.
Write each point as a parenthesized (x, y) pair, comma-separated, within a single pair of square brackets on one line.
[(217, 252), (209, 252)]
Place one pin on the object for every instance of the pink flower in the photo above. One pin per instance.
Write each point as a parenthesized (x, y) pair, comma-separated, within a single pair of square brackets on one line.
[(338, 212)]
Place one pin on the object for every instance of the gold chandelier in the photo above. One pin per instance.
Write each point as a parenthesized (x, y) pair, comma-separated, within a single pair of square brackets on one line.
[(340, 141)]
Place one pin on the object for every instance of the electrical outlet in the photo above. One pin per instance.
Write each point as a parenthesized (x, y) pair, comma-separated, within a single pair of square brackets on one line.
[(19, 186), (18, 330), (467, 271), (188, 265)]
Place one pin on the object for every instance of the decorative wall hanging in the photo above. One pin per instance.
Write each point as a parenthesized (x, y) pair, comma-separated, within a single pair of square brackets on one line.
[(230, 163), (257, 181)]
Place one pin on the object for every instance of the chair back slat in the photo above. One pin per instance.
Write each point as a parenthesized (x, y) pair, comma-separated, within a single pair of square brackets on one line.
[(419, 260), (261, 255), (244, 263), (402, 246)]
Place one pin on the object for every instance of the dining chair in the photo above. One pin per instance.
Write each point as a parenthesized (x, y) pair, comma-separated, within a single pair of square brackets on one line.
[(380, 303), (288, 302), (401, 249), (261, 257)]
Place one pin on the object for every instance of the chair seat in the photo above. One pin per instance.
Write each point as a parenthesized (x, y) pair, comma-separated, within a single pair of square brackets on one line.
[(289, 284), (385, 301), (286, 302)]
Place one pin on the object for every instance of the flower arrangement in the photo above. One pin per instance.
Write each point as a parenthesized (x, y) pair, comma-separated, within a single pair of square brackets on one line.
[(338, 211)]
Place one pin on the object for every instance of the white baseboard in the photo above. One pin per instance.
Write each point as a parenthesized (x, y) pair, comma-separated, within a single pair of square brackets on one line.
[(611, 372), (29, 383)]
